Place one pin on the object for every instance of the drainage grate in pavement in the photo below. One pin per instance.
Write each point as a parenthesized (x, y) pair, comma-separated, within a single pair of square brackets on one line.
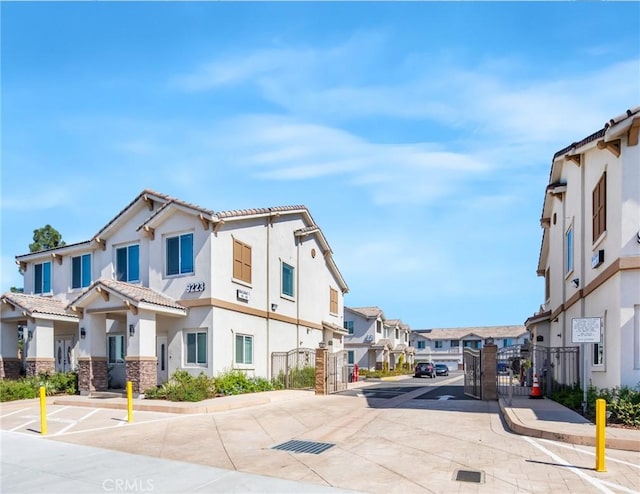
[(311, 447), (469, 476)]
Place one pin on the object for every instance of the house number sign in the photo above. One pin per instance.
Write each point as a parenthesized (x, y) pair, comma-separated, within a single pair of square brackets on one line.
[(198, 286)]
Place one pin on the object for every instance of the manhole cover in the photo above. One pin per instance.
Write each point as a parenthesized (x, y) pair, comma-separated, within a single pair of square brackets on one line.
[(311, 447), (469, 476)]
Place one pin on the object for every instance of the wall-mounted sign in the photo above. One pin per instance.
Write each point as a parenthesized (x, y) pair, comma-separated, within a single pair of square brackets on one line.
[(197, 286), (585, 329), (597, 258), (242, 295)]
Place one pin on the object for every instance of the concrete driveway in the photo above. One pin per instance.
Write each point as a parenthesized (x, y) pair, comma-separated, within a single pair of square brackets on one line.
[(375, 444)]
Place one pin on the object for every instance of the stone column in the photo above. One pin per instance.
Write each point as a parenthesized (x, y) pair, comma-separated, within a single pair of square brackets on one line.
[(93, 370), (10, 364), (489, 372), (142, 372), (321, 371)]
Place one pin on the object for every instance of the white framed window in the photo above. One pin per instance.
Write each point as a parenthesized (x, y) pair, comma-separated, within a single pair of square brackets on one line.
[(42, 277), (287, 280), (348, 325), (351, 357), (179, 254), (568, 237), (454, 343), (81, 271), (196, 347), (438, 343), (116, 349), (244, 349), (128, 263), (421, 344)]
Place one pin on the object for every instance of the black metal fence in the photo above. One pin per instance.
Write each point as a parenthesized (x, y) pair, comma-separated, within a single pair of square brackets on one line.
[(554, 367), (295, 369), (472, 373), (337, 372)]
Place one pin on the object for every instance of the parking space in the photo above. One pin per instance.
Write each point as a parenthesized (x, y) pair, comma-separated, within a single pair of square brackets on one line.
[(63, 419)]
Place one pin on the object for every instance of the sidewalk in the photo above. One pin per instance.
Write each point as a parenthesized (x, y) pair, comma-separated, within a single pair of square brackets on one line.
[(546, 419)]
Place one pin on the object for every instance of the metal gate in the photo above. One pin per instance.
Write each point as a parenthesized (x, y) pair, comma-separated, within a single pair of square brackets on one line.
[(337, 371), (295, 369), (472, 372), (555, 367)]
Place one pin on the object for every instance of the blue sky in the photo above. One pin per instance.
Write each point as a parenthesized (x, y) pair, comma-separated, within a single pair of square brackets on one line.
[(419, 134)]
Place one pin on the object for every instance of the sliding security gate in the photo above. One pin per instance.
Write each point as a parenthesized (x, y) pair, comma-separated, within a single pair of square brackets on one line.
[(294, 369), (337, 371)]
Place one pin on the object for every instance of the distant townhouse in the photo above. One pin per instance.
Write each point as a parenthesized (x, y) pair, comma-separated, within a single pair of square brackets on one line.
[(590, 252), (446, 345), (169, 285), (373, 342)]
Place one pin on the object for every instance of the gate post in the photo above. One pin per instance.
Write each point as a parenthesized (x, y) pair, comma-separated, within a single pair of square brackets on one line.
[(489, 372), (321, 371)]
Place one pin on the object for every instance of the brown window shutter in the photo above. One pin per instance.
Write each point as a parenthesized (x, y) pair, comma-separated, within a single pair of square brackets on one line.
[(237, 260), (246, 263)]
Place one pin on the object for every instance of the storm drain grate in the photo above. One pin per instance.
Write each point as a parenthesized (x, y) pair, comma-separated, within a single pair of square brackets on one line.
[(469, 476), (311, 447)]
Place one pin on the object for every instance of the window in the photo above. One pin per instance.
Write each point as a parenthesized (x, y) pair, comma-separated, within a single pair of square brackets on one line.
[(547, 284), (287, 280), (196, 347), (600, 207), (472, 344), (333, 300), (348, 325), (116, 349), (598, 348), (351, 358), (378, 327), (128, 263), (397, 334), (42, 278), (506, 342), (244, 349), (180, 254), (454, 343), (421, 345), (438, 344), (81, 271), (569, 247), (241, 261)]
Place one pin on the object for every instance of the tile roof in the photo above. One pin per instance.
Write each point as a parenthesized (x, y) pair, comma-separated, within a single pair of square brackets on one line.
[(250, 212), (135, 293), (369, 312), (36, 304), (482, 332)]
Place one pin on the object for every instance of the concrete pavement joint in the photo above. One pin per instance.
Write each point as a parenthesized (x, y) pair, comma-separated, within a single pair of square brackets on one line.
[(222, 443)]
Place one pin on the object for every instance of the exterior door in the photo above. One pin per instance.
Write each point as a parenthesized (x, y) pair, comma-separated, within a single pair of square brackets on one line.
[(163, 364), (63, 354)]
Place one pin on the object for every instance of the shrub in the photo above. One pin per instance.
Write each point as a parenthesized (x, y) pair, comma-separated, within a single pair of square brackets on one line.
[(623, 402), (237, 382), (299, 378), (29, 387), (184, 387)]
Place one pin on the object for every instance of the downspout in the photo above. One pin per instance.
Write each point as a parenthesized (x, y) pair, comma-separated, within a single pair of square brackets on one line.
[(268, 300), (297, 292)]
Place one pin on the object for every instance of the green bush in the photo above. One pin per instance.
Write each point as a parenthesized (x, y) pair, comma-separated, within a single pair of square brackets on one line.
[(237, 382), (29, 387), (297, 378), (184, 387), (623, 402)]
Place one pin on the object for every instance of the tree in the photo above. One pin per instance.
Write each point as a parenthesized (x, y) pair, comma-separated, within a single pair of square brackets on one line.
[(44, 238)]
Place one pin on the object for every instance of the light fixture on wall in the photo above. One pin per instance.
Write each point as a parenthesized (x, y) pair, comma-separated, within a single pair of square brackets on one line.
[(83, 333), (274, 307), (575, 282), (132, 329)]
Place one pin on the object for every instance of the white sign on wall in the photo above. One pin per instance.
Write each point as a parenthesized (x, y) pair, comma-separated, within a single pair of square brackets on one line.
[(586, 330)]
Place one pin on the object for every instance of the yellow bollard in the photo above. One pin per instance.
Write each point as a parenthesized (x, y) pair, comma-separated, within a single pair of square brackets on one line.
[(601, 418), (129, 402), (43, 410)]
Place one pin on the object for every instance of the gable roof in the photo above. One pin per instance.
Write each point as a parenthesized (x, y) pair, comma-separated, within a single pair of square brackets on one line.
[(368, 312), (479, 332), (136, 296), (36, 306)]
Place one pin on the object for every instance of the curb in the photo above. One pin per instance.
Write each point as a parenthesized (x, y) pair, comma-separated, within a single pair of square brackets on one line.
[(610, 442)]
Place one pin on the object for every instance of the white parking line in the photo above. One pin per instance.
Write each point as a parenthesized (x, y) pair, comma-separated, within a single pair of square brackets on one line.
[(14, 412), (591, 453), (595, 482), (134, 423), (75, 422)]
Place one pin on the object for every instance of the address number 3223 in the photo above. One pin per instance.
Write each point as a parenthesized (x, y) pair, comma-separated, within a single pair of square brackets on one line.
[(195, 287)]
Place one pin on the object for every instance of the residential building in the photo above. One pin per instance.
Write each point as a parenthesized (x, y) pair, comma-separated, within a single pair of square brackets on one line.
[(446, 345), (590, 252), (373, 342), (169, 285)]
